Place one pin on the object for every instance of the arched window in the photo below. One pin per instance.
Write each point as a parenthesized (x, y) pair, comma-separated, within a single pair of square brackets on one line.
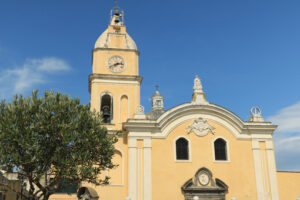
[(182, 149), (220, 149), (116, 174), (107, 108)]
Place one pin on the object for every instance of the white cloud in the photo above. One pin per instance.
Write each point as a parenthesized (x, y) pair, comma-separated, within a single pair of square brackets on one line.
[(290, 144), (49, 64), (288, 119), (29, 75), (287, 137)]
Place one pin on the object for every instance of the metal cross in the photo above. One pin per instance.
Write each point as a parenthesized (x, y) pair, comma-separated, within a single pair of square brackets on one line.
[(156, 86)]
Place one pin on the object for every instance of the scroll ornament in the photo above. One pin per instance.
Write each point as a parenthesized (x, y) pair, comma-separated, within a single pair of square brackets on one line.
[(200, 127)]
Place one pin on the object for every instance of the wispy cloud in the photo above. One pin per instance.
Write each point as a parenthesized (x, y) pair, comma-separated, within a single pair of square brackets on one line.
[(28, 75), (287, 137), (288, 119)]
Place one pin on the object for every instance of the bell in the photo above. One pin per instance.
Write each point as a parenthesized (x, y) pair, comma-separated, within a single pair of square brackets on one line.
[(106, 114), (117, 19)]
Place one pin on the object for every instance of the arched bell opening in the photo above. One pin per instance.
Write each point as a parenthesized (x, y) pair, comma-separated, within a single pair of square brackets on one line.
[(107, 108)]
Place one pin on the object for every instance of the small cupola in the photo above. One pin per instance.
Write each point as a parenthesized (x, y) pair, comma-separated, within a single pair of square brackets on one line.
[(157, 100), (157, 105)]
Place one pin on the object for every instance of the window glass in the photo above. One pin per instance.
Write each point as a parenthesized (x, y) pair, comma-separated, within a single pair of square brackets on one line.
[(220, 149), (182, 149)]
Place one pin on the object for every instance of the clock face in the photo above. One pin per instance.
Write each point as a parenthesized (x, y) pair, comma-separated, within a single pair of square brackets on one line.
[(203, 179), (116, 64)]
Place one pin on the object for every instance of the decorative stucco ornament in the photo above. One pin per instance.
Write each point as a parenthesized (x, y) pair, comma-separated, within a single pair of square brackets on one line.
[(198, 95), (140, 109), (139, 113), (256, 115), (201, 127)]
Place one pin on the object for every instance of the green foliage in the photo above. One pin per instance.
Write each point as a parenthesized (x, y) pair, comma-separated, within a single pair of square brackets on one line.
[(53, 138)]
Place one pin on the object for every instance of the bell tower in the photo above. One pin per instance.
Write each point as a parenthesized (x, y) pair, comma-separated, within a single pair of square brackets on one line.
[(115, 82)]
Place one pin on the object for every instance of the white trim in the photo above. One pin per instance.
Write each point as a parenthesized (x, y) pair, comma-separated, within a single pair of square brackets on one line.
[(132, 168), (180, 120), (272, 169), (105, 92), (189, 149), (122, 178), (115, 81), (140, 183), (227, 150), (120, 112), (147, 169), (258, 170)]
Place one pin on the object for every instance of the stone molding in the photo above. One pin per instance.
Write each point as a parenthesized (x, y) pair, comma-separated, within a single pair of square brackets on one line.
[(203, 186), (169, 120), (113, 77), (115, 49)]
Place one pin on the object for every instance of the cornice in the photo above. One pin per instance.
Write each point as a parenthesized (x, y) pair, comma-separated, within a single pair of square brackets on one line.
[(188, 109), (113, 77), (115, 49)]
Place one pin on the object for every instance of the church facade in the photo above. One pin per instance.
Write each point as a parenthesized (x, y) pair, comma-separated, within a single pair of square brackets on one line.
[(196, 150)]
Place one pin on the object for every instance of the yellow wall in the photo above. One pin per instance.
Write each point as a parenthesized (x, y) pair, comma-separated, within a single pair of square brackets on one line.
[(117, 90), (63, 197), (101, 56), (288, 185), (116, 191), (168, 175)]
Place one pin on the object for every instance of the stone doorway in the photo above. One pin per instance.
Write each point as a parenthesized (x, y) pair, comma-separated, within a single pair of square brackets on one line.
[(203, 187)]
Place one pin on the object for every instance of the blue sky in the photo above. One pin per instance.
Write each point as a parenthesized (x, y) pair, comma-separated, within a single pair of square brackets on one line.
[(247, 53)]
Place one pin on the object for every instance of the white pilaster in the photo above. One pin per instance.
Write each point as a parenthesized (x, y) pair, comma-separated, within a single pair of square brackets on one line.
[(132, 168), (258, 170), (147, 169), (272, 170)]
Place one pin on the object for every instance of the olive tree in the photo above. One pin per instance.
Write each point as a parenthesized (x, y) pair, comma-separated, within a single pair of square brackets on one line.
[(53, 138)]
